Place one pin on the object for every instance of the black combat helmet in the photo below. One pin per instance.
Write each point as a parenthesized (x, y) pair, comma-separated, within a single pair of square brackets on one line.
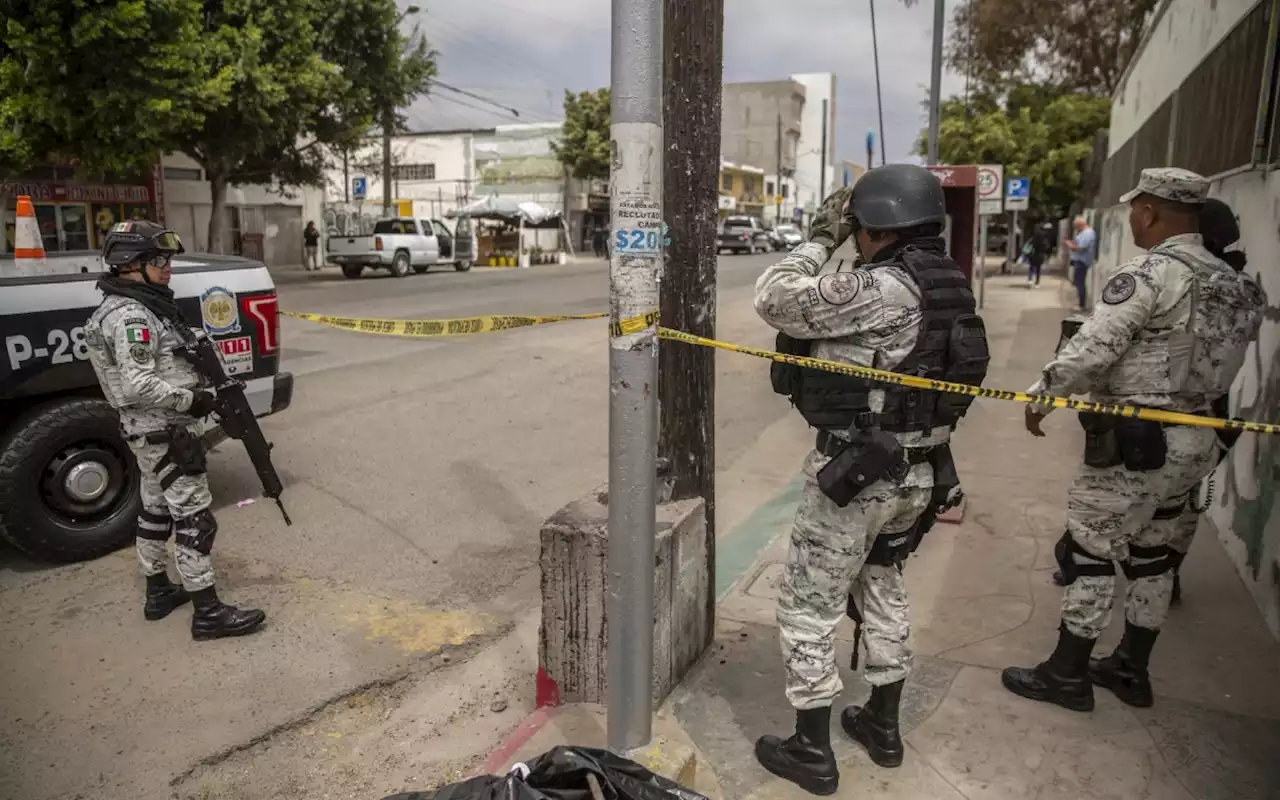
[(138, 240), (898, 196)]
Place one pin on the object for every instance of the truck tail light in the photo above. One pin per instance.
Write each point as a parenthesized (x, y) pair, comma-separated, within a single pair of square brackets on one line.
[(746, 237), (264, 310), (377, 243)]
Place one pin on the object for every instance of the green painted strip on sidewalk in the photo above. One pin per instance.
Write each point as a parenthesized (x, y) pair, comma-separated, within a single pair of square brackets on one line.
[(737, 551)]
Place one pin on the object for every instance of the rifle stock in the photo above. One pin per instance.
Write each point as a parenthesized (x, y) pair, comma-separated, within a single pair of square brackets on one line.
[(234, 412)]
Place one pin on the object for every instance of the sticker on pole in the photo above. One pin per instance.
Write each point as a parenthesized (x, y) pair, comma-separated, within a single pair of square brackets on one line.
[(641, 230), (990, 189)]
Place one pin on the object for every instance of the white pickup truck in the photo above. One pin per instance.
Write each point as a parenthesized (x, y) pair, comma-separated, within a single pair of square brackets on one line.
[(68, 482), (404, 243)]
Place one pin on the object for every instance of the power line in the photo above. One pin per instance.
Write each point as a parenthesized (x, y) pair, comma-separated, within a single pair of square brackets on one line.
[(475, 96)]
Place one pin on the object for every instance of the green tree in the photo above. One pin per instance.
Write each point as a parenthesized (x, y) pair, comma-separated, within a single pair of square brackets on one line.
[(1036, 131), (105, 86), (585, 148), (259, 91)]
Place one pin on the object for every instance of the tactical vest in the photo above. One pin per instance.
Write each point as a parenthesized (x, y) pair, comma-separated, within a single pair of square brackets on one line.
[(951, 346)]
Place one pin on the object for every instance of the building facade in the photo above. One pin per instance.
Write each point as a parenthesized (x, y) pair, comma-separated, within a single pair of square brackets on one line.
[(757, 120), (742, 189), (1202, 93), (74, 211), (815, 173)]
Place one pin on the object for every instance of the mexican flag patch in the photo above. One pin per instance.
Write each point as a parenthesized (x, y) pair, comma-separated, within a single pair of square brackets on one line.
[(138, 335)]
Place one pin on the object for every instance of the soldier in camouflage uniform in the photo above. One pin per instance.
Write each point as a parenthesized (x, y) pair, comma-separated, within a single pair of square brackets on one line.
[(871, 317), (132, 338), (1170, 333)]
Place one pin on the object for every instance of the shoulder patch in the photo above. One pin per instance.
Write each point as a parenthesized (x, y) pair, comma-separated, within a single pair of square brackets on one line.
[(137, 333), (136, 321), (140, 353), (840, 288), (1119, 289)]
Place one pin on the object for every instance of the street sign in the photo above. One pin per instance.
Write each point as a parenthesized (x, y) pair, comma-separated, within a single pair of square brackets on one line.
[(777, 201), (1017, 194), (990, 189), (359, 187)]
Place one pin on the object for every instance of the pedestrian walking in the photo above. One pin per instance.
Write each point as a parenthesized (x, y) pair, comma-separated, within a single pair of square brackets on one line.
[(132, 340), (311, 246), (1083, 249), (597, 242), (1038, 249), (881, 465), (1170, 333)]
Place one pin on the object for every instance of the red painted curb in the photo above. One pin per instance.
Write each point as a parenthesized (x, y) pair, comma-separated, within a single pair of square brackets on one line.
[(500, 760)]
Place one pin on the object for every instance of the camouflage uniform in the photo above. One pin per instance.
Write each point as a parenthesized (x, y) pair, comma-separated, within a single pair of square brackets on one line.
[(1170, 333), (868, 318), (132, 352)]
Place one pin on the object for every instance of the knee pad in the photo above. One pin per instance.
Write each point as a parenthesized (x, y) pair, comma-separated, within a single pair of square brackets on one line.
[(1064, 552), (1169, 512), (154, 526), (1160, 563), (198, 531)]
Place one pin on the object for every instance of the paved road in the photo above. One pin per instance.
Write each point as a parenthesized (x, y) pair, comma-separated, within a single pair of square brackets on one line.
[(418, 473)]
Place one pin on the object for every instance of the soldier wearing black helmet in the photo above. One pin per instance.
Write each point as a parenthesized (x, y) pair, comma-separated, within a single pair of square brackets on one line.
[(881, 467), (132, 337)]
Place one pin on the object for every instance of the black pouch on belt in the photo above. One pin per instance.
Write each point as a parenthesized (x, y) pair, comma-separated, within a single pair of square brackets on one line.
[(1101, 448), (186, 452), (872, 455), (1142, 444)]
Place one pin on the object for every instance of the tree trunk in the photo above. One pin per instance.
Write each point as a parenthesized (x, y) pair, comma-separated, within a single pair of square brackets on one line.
[(693, 56), (217, 217)]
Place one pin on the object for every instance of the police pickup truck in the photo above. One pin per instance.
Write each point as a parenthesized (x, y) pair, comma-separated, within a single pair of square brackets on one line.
[(68, 482)]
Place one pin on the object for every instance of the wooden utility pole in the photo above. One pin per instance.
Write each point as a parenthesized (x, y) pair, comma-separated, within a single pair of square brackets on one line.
[(693, 66)]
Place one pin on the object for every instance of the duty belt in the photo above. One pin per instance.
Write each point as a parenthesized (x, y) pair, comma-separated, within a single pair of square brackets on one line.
[(830, 446)]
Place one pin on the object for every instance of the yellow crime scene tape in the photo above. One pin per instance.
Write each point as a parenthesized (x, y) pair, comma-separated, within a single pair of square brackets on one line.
[(631, 325)]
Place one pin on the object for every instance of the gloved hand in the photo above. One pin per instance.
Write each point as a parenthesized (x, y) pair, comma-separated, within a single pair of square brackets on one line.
[(202, 404), (833, 224)]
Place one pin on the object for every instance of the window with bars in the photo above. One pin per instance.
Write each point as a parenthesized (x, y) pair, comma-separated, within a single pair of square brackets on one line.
[(413, 172)]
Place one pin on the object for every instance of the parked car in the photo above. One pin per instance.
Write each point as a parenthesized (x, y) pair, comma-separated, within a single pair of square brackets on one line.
[(404, 243), (743, 235), (789, 236), (68, 481)]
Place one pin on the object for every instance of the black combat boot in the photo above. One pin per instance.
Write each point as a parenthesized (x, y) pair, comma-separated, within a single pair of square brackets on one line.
[(806, 758), (875, 725), (1125, 671), (163, 596), (1062, 680), (1058, 578), (215, 619)]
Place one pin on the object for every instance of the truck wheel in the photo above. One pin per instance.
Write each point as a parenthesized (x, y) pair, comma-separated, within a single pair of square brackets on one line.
[(352, 270), (400, 264), (462, 266), (68, 482)]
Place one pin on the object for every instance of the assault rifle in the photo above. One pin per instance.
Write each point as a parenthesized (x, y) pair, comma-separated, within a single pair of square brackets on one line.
[(233, 410)]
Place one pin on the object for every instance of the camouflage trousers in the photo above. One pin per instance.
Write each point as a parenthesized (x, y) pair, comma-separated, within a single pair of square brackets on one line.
[(169, 511), (825, 562), (1110, 508)]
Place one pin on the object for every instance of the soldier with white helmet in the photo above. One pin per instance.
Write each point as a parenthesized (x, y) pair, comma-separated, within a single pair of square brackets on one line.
[(1170, 333)]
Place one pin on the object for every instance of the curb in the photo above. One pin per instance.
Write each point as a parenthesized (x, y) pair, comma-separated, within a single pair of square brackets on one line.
[(497, 762)]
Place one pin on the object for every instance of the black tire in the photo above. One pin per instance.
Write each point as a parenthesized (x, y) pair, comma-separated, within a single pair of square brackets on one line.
[(400, 264), (352, 270), (462, 266), (39, 517)]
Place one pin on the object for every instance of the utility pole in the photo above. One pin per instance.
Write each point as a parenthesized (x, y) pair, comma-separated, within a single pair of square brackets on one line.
[(935, 86), (635, 211), (875, 50), (346, 177), (693, 64), (777, 196), (386, 163), (822, 176)]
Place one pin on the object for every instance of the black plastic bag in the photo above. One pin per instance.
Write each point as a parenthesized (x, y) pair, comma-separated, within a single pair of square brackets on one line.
[(562, 774)]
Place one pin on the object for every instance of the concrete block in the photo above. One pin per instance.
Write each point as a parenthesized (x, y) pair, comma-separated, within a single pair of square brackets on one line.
[(572, 640)]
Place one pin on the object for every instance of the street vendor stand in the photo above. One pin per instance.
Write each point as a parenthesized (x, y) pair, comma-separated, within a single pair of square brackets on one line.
[(501, 242)]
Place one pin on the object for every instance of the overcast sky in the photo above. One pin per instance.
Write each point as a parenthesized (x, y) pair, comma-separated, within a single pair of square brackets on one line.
[(523, 54)]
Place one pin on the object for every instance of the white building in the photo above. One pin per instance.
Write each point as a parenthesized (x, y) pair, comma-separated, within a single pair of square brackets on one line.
[(436, 170), (811, 183), (261, 222), (1191, 98)]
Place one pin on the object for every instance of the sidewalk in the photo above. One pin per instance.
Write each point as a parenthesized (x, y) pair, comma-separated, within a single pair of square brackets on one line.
[(982, 599)]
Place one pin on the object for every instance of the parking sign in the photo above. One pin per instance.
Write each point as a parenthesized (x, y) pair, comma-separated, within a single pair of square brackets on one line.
[(359, 187), (1017, 194)]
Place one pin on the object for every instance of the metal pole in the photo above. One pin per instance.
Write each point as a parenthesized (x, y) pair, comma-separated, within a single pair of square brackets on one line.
[(935, 87), (777, 195), (386, 164), (346, 178), (634, 271), (982, 262), (822, 177), (875, 51), (1012, 246)]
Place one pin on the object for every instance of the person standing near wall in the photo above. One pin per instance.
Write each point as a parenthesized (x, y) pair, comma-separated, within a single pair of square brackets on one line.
[(1083, 249), (311, 247)]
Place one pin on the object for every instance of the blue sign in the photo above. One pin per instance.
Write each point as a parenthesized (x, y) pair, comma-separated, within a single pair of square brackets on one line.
[(1018, 187), (359, 187)]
